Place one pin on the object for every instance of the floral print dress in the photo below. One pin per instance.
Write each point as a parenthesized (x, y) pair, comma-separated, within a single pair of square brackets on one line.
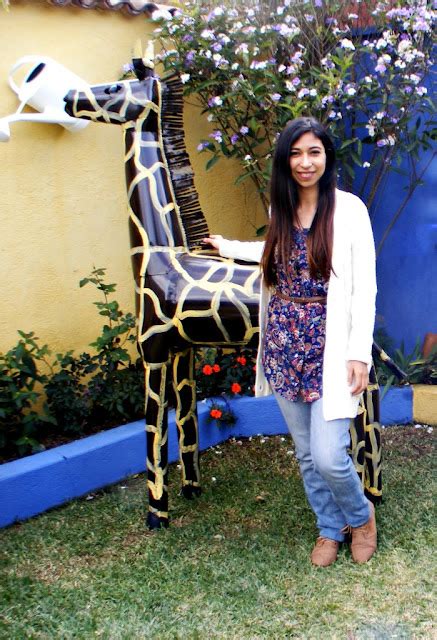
[(295, 333)]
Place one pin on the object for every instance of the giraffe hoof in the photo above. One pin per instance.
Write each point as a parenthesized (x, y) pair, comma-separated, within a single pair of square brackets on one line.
[(189, 492), (155, 522)]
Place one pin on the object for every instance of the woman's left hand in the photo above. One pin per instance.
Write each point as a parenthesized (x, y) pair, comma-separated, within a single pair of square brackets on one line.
[(357, 376)]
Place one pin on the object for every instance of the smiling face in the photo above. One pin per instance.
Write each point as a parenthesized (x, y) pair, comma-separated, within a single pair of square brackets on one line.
[(307, 160)]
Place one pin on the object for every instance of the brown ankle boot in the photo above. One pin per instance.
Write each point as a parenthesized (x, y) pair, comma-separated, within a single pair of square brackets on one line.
[(324, 552), (364, 539)]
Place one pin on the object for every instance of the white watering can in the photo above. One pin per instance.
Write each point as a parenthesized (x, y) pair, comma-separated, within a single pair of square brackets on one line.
[(43, 89)]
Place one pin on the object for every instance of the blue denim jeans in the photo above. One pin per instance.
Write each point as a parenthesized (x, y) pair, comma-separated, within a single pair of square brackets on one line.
[(331, 482)]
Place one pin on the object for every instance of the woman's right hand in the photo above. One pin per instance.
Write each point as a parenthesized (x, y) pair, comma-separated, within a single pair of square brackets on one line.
[(213, 240)]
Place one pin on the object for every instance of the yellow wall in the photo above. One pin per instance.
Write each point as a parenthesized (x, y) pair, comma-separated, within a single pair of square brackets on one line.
[(62, 202)]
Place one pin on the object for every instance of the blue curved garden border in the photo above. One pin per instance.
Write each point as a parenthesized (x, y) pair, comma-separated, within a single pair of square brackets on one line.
[(37, 483)]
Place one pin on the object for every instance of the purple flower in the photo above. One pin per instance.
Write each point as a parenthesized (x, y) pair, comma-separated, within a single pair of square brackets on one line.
[(327, 100), (380, 68), (207, 34), (234, 138), (224, 39), (217, 135), (347, 44), (408, 89), (187, 38), (219, 61), (244, 130), (303, 92), (296, 58), (327, 62), (203, 145), (421, 91), (242, 48), (295, 82), (318, 3), (189, 58), (398, 13), (381, 143), (420, 25), (258, 64), (215, 101), (275, 97)]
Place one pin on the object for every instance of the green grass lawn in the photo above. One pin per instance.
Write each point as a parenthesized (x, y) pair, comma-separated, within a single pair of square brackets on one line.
[(234, 563)]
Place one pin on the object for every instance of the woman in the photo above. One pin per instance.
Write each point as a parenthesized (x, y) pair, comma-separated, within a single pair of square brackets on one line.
[(316, 325)]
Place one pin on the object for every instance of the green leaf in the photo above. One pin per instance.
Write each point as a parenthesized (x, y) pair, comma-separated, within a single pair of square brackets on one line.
[(211, 162), (244, 176)]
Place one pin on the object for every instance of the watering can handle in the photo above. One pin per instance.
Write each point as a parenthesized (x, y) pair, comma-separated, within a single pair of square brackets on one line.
[(19, 63)]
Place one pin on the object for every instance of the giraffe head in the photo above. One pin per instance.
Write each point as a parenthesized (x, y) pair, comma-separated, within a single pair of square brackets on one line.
[(118, 102)]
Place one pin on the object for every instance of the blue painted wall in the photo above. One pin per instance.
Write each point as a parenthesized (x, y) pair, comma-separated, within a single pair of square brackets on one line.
[(407, 265), (36, 483)]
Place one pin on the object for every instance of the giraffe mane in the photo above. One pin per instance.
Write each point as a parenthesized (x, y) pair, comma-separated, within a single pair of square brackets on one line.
[(181, 171)]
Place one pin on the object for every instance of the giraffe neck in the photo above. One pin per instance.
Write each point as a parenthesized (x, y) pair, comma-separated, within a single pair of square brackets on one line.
[(152, 202)]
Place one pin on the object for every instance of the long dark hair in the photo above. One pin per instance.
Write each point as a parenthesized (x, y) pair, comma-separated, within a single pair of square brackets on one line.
[(284, 202)]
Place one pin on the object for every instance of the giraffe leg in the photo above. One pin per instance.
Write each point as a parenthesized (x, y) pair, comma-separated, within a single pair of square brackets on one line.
[(373, 453), (186, 421), (366, 441), (157, 443)]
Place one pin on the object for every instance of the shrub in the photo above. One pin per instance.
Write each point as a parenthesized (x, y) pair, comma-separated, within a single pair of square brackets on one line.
[(42, 396), (105, 387), (23, 417), (417, 369), (226, 372)]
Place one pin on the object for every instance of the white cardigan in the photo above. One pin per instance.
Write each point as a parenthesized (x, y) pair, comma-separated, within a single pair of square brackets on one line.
[(350, 312)]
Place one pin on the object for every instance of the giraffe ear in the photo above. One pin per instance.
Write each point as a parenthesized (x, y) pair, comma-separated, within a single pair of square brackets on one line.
[(143, 65), (149, 55)]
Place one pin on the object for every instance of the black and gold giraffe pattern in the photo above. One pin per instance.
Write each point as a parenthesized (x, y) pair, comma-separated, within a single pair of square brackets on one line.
[(185, 297)]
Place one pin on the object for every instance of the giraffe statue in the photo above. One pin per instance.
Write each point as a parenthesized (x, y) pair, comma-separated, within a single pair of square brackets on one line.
[(185, 297)]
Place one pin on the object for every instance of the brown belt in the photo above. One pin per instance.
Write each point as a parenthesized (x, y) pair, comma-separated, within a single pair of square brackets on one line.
[(301, 300)]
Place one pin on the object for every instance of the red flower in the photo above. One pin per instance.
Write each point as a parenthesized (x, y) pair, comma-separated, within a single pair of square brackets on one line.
[(207, 369), (216, 414), (215, 368), (241, 360), (235, 388)]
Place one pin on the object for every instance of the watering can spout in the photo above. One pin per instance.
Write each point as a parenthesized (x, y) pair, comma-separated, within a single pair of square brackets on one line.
[(49, 116), (44, 88)]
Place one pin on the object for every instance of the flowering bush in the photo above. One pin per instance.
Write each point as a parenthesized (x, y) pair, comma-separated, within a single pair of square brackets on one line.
[(231, 372), (220, 411), (359, 66)]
